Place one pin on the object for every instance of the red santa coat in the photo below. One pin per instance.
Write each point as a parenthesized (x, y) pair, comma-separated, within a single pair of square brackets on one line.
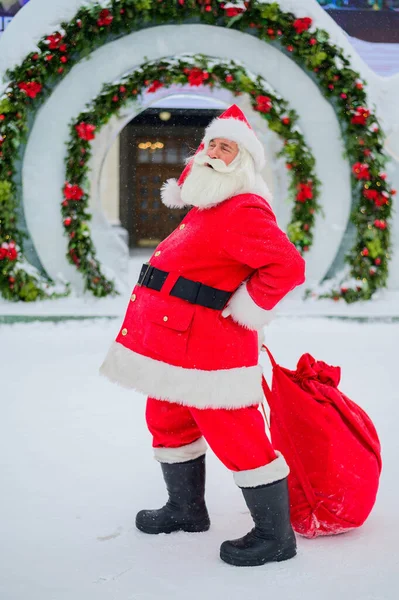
[(176, 351)]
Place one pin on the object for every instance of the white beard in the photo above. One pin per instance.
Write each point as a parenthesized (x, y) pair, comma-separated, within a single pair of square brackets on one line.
[(205, 186)]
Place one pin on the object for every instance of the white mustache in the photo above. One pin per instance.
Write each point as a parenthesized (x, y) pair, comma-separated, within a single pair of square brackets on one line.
[(216, 163)]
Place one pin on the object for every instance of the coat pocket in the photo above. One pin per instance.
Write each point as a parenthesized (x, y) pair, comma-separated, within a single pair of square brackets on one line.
[(167, 328)]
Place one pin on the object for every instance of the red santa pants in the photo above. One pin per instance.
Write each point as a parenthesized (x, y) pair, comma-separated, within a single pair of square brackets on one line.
[(236, 436)]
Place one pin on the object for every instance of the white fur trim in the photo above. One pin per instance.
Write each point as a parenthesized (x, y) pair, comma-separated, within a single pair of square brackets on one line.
[(246, 312), (237, 131), (224, 388), (181, 454), (274, 471), (262, 189), (171, 194)]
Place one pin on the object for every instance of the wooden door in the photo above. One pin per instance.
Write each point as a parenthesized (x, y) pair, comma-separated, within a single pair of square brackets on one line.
[(158, 158)]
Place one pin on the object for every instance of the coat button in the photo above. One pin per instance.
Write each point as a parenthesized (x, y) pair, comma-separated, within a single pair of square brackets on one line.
[(165, 318), (133, 297), (182, 226), (157, 253), (124, 331)]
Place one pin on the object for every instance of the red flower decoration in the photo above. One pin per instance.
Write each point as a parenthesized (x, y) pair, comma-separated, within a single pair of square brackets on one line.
[(301, 25), (361, 171), (63, 48), (64, 59), (2, 117), (263, 104), (286, 120), (380, 224), (31, 88), (67, 221), (155, 86), (312, 41), (381, 200), (8, 251), (370, 194), (105, 18), (12, 253), (305, 192), (196, 76), (73, 192), (54, 40), (365, 252), (229, 78), (361, 115), (85, 131), (233, 11), (378, 199)]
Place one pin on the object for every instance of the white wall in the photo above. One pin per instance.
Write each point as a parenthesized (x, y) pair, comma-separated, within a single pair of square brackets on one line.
[(109, 184)]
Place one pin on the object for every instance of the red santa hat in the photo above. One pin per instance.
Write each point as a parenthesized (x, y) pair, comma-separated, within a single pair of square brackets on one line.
[(231, 125)]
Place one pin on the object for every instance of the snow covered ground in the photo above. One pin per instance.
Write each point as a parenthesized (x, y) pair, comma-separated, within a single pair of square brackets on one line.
[(76, 465)]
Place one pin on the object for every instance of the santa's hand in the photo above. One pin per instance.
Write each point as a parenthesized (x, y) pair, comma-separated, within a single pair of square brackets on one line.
[(226, 312)]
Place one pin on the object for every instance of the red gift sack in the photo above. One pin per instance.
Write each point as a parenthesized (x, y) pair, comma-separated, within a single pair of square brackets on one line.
[(330, 445)]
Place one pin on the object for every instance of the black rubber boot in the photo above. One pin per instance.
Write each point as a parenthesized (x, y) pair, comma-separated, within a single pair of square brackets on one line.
[(185, 509), (272, 538)]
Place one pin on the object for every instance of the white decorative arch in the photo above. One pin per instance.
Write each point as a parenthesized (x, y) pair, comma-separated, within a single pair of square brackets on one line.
[(45, 151), (46, 144)]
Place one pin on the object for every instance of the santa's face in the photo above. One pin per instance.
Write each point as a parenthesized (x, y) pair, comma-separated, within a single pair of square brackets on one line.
[(223, 149), (212, 180)]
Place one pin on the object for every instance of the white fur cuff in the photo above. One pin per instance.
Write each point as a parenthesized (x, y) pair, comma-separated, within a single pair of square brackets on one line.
[(246, 312), (274, 471), (171, 194), (181, 454)]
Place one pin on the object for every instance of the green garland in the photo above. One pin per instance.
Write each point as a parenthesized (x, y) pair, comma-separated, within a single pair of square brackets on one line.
[(31, 82), (193, 71)]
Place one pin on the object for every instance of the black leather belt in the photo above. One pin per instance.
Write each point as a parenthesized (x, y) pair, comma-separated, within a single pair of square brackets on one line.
[(151, 277), (186, 289)]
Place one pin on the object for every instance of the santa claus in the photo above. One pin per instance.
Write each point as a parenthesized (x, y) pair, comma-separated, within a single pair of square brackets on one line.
[(189, 341)]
